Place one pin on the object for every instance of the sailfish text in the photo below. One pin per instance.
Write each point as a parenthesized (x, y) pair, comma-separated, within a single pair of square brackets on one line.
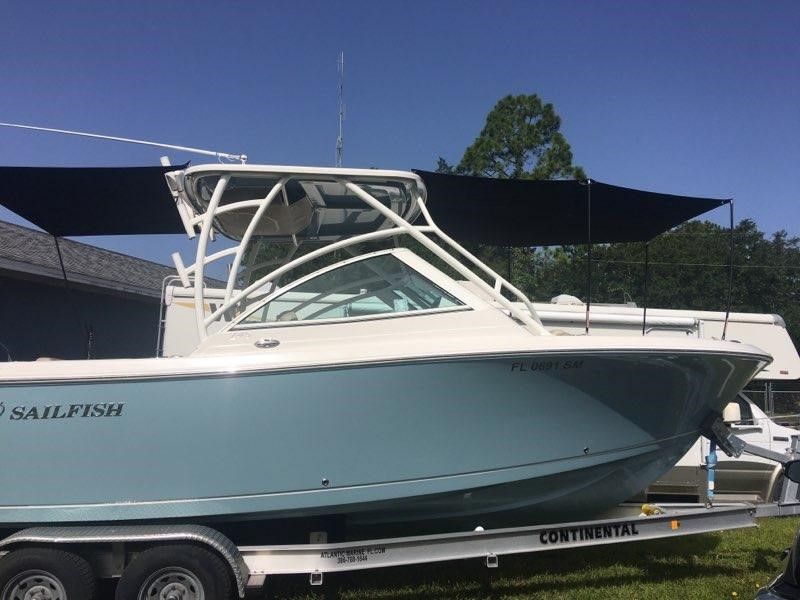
[(68, 411)]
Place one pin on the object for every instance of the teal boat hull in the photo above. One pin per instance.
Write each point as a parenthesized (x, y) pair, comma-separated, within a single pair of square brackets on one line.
[(484, 439)]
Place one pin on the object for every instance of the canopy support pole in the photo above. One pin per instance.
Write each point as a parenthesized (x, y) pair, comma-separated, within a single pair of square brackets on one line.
[(589, 251), (730, 271), (88, 329), (646, 277)]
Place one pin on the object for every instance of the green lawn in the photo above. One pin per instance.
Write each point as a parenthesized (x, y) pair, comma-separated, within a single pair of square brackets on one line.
[(731, 564)]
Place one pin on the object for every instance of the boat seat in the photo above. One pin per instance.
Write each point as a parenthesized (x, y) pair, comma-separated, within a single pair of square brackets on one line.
[(560, 332), (278, 219)]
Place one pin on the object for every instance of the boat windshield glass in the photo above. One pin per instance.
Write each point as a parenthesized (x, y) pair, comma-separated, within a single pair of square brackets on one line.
[(377, 285), (307, 208)]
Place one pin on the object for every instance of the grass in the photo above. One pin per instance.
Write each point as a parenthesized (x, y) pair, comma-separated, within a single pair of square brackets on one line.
[(730, 565)]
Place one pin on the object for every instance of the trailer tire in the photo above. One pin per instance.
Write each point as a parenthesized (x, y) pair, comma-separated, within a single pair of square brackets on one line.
[(193, 572), (57, 574)]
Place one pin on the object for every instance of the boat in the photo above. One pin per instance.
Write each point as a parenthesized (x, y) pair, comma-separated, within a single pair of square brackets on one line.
[(566, 313), (745, 478), (332, 377)]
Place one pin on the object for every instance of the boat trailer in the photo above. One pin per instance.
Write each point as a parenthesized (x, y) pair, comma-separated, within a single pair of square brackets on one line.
[(114, 551), (110, 549)]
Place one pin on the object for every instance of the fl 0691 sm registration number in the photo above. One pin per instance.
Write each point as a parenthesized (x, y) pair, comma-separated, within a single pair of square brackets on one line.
[(533, 365)]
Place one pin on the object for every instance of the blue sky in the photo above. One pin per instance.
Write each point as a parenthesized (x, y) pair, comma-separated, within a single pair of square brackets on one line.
[(699, 98)]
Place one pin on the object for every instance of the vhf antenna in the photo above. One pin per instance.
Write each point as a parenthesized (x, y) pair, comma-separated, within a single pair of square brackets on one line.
[(340, 139), (221, 156)]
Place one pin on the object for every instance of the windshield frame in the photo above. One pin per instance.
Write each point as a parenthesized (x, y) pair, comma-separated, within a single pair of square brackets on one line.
[(408, 258)]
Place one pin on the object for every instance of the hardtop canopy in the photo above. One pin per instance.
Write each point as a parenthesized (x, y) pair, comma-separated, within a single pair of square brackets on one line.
[(315, 203)]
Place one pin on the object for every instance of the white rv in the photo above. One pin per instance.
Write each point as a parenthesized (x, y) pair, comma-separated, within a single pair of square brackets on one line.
[(567, 314)]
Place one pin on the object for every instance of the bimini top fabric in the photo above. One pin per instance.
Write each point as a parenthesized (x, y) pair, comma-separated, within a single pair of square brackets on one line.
[(521, 212), (502, 212), (92, 201)]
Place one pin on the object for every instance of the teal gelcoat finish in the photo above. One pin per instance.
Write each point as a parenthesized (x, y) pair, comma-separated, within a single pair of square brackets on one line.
[(435, 438)]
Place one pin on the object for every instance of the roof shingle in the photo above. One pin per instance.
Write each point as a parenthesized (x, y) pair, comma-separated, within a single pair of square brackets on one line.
[(34, 252)]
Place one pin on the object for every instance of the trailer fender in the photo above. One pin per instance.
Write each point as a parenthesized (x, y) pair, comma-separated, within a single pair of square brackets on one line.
[(99, 534)]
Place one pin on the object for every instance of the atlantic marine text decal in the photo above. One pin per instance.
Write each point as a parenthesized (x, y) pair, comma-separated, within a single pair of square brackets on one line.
[(65, 411), (349, 556)]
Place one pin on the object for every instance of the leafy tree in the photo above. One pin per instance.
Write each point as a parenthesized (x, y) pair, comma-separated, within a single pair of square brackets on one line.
[(688, 270), (522, 140), (688, 266)]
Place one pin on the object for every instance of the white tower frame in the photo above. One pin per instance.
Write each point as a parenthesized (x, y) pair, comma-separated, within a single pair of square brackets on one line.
[(203, 225)]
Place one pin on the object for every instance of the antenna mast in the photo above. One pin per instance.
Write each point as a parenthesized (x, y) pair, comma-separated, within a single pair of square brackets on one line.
[(219, 155), (340, 139)]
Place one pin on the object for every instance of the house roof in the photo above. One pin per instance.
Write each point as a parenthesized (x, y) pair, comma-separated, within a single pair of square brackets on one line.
[(32, 252)]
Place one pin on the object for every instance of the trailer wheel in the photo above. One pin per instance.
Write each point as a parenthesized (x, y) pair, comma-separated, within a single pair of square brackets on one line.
[(175, 573), (45, 574)]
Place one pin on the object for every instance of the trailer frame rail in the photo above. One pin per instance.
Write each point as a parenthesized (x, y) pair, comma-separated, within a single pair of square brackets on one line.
[(317, 559)]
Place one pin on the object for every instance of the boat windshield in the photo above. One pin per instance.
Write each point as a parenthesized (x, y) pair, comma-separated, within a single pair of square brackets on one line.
[(377, 285)]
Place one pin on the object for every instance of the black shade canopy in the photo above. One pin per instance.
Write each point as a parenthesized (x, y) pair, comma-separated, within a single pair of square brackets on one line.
[(501, 212), (92, 201), (517, 212)]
